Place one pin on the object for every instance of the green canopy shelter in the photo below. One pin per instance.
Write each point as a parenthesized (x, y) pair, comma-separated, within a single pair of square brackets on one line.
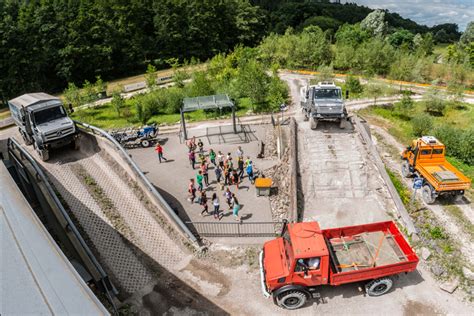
[(217, 101)]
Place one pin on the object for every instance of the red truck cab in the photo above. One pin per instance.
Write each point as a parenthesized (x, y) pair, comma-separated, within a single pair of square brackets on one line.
[(305, 257)]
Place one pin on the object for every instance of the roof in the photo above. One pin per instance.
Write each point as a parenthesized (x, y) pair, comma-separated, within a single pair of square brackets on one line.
[(33, 266), (31, 98), (307, 240), (217, 101), (431, 141)]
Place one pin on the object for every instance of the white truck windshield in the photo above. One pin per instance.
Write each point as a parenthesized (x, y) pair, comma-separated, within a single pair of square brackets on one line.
[(49, 114), (327, 94)]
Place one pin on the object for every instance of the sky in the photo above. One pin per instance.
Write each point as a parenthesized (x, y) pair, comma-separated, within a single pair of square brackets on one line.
[(427, 12)]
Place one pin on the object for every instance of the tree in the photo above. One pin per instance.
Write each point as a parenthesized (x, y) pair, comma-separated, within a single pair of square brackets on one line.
[(252, 82), (375, 23), (401, 38), (150, 76), (72, 95), (406, 104), (433, 102), (468, 35), (421, 124), (117, 102), (353, 85), (326, 73), (373, 90)]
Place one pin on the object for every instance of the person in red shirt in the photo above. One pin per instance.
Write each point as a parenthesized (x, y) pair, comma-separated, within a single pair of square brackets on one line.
[(159, 150)]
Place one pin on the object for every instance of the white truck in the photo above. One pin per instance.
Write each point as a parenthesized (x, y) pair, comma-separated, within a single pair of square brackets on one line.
[(43, 122), (323, 102)]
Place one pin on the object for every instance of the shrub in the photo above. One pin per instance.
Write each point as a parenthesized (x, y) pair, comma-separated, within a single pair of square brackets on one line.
[(434, 103), (353, 85), (421, 124), (406, 104), (117, 102), (150, 76)]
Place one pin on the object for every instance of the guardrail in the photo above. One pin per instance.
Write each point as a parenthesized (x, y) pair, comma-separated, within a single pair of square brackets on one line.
[(170, 212), (108, 286), (237, 229)]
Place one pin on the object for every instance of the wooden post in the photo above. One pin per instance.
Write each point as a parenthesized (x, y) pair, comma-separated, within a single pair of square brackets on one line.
[(233, 119), (183, 124)]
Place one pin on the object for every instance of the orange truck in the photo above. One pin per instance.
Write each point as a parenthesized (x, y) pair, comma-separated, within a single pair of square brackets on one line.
[(293, 267), (425, 158)]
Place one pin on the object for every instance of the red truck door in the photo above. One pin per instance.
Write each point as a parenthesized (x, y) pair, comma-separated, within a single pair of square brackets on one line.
[(311, 271)]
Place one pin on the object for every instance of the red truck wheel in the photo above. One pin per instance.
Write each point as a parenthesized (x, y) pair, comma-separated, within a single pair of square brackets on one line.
[(291, 299), (379, 286)]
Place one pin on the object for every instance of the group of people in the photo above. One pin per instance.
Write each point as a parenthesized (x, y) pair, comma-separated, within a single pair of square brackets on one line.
[(226, 173)]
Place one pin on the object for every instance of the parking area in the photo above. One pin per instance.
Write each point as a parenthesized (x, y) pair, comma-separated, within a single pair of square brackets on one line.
[(171, 177)]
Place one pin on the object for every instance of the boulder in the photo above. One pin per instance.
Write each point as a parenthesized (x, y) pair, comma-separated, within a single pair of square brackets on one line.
[(425, 253), (468, 274), (450, 286)]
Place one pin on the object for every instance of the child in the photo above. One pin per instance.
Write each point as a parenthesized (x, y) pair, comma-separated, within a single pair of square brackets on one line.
[(200, 145), (236, 207), (204, 203), (199, 178), (235, 178), (228, 196), (215, 202), (212, 157), (192, 190)]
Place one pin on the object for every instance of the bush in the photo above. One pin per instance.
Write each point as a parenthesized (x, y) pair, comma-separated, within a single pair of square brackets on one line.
[(434, 103), (421, 124), (353, 85), (406, 104)]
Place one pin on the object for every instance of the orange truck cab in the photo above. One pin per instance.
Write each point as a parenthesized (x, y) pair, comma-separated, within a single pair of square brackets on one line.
[(305, 257), (425, 158)]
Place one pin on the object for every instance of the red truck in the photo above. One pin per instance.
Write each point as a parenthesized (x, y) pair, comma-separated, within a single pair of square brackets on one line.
[(293, 266)]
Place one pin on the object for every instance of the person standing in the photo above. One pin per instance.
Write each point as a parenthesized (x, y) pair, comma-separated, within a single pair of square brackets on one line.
[(204, 203), (215, 203), (204, 173), (200, 145), (249, 170), (192, 158), (218, 172), (212, 157), (220, 159), (192, 190), (240, 164), (235, 178), (235, 207), (247, 162), (228, 197), (226, 175), (199, 178), (240, 152), (159, 150)]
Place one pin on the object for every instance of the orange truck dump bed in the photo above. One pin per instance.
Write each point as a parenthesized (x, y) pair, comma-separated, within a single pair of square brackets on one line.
[(425, 158)]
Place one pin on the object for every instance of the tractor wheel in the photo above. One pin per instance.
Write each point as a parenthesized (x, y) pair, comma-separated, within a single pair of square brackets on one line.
[(313, 124), (427, 194), (291, 299), (378, 287), (145, 143), (406, 169)]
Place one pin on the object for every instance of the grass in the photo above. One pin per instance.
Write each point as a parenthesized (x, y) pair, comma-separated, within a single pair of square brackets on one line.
[(4, 114), (402, 190), (399, 125), (105, 116)]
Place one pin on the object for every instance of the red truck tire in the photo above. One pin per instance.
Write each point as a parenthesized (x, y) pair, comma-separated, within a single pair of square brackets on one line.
[(379, 287), (292, 299)]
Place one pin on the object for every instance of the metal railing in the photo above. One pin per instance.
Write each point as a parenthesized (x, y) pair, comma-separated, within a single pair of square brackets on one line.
[(171, 214), (40, 176), (237, 229)]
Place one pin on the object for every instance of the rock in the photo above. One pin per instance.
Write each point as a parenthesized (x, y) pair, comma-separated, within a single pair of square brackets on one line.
[(437, 270), (415, 238), (468, 274), (450, 286), (425, 253)]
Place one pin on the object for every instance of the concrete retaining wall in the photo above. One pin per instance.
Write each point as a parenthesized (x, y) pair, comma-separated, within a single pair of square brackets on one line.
[(293, 168)]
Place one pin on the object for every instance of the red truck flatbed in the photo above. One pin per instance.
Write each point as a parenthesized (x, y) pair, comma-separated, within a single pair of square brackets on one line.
[(294, 266), (368, 251)]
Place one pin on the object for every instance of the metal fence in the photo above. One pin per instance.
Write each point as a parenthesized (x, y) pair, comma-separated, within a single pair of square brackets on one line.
[(237, 229)]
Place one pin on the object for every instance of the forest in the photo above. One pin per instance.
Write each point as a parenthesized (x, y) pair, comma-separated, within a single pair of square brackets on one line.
[(47, 44)]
